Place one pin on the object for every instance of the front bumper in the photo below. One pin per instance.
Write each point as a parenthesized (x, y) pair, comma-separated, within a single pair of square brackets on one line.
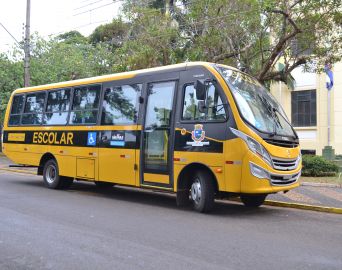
[(259, 177)]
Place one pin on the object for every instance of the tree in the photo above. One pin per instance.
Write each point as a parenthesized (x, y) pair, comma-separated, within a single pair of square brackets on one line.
[(113, 33), (11, 77), (251, 34), (64, 58)]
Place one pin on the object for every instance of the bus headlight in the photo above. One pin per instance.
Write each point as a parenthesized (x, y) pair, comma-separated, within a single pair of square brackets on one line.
[(258, 171), (254, 146)]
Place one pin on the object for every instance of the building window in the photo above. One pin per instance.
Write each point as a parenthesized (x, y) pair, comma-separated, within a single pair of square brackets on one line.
[(303, 108)]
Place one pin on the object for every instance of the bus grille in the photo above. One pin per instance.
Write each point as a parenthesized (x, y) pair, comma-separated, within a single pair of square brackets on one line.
[(282, 164), (282, 143), (283, 180)]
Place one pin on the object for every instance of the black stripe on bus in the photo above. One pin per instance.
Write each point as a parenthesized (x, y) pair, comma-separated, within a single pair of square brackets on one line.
[(127, 139), (186, 143)]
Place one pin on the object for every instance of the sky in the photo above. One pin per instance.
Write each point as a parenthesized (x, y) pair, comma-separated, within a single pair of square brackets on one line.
[(52, 17)]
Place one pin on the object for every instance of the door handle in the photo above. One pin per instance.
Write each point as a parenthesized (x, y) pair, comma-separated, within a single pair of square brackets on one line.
[(149, 129)]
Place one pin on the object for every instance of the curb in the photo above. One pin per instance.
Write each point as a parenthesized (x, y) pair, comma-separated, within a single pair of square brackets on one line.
[(325, 209), (313, 184), (18, 171)]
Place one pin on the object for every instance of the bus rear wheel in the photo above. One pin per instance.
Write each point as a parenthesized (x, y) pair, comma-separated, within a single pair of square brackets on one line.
[(202, 192), (253, 200), (51, 176)]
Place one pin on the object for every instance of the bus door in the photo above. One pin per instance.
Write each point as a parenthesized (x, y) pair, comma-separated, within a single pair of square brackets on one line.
[(157, 138), (119, 135)]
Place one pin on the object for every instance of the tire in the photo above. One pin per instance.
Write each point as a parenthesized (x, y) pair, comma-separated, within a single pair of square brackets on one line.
[(253, 201), (202, 191), (51, 176), (101, 184), (183, 198)]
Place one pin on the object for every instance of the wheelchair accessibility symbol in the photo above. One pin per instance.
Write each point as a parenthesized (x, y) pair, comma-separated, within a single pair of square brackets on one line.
[(91, 139)]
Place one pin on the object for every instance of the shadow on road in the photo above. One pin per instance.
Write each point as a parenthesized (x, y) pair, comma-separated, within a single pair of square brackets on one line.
[(153, 198)]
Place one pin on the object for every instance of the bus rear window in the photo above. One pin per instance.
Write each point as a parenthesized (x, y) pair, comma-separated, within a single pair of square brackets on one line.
[(17, 104), (17, 107)]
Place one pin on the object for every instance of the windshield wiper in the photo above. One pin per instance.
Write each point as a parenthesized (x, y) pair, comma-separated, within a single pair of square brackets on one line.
[(294, 136), (270, 109)]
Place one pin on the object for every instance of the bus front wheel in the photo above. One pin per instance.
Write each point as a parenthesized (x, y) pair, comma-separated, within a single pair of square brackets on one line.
[(202, 192), (253, 200), (51, 176)]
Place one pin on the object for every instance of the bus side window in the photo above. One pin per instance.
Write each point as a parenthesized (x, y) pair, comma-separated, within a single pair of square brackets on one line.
[(17, 108), (215, 109), (57, 107), (190, 108), (33, 111), (85, 105), (120, 104)]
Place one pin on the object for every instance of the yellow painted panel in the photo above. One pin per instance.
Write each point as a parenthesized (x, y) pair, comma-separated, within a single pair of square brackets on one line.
[(208, 159), (156, 178), (66, 165), (24, 158), (117, 165), (85, 168), (16, 137)]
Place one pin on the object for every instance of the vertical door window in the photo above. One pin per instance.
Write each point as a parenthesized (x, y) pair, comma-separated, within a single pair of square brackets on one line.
[(157, 126)]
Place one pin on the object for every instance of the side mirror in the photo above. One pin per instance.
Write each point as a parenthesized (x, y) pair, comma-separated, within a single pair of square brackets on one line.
[(201, 106), (200, 90)]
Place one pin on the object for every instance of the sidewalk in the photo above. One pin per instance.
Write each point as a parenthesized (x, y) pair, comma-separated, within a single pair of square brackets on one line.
[(5, 162), (312, 195), (308, 194)]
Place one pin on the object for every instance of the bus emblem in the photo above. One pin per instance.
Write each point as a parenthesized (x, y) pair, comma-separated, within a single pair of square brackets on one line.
[(198, 135)]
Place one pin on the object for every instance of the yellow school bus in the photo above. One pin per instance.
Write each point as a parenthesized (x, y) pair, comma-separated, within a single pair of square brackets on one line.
[(200, 130)]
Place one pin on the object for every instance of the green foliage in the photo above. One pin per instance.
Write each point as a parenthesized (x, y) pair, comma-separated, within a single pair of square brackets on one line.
[(113, 33), (66, 57), (72, 37), (318, 166)]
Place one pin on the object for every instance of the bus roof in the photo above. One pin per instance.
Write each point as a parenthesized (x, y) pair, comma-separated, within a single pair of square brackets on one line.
[(110, 77)]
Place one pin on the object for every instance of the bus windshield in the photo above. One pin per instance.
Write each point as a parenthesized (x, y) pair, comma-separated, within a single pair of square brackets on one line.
[(256, 105)]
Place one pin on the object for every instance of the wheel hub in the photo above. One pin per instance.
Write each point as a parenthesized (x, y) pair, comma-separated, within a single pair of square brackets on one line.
[(51, 174), (196, 192)]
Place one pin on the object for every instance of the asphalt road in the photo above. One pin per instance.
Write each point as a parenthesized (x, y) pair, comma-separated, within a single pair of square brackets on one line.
[(85, 228)]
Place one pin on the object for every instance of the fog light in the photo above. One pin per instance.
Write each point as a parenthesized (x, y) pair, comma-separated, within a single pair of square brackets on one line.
[(258, 171)]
